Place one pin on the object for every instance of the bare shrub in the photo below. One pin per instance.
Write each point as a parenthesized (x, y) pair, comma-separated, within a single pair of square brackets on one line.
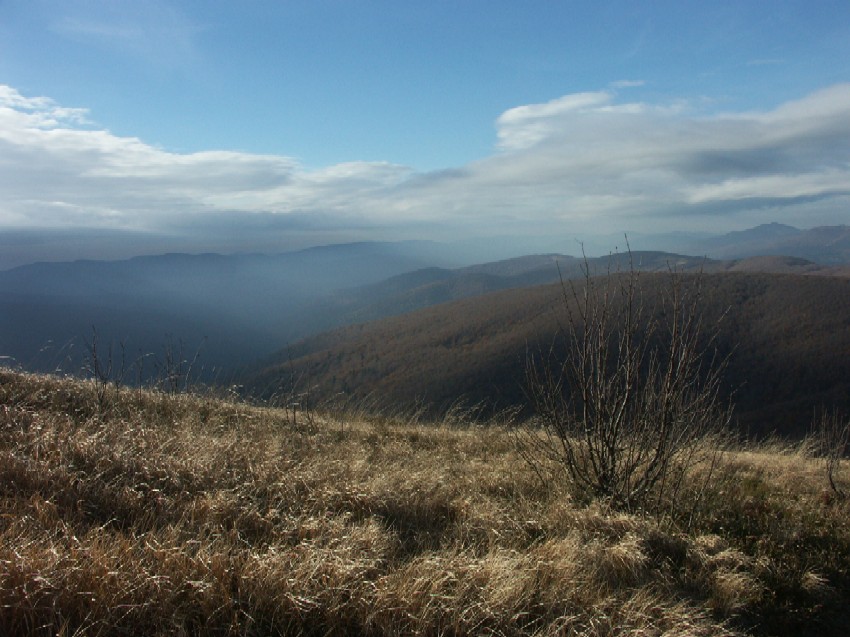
[(831, 432), (627, 400)]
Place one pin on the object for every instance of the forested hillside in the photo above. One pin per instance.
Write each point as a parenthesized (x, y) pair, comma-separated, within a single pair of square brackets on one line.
[(787, 338)]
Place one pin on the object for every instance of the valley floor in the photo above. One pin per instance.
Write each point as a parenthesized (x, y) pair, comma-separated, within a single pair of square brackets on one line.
[(132, 512)]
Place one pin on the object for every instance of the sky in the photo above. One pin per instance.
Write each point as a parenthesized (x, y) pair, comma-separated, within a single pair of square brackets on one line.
[(133, 127)]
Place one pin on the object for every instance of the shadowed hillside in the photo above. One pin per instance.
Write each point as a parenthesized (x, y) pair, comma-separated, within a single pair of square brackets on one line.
[(787, 337)]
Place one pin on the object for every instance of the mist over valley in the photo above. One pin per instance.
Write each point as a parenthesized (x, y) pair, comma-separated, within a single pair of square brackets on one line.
[(238, 318)]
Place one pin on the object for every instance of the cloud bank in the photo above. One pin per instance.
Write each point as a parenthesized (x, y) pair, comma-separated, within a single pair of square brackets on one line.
[(585, 160)]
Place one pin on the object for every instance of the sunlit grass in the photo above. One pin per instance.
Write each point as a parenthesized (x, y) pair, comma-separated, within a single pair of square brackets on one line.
[(163, 514)]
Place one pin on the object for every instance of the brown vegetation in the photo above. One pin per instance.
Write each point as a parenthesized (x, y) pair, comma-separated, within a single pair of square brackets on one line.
[(788, 338), (147, 513)]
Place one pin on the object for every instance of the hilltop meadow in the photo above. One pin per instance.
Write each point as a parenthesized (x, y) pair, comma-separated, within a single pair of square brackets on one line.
[(130, 511)]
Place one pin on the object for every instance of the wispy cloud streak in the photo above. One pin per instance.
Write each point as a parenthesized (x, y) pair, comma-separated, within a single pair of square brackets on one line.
[(153, 32)]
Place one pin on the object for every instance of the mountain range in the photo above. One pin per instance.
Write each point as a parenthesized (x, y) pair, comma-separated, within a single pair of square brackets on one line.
[(256, 318), (234, 308), (825, 245)]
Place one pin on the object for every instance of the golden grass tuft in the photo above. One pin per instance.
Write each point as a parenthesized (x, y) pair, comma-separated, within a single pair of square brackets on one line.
[(192, 515)]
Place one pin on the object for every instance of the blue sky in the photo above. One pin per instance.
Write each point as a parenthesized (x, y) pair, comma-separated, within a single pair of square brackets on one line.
[(250, 125)]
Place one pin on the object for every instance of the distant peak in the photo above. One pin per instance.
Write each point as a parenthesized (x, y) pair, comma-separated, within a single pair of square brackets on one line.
[(765, 230), (775, 225)]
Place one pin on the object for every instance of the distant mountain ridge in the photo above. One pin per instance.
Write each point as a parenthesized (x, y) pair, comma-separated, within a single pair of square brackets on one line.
[(243, 308), (763, 232), (240, 307), (423, 288), (827, 245)]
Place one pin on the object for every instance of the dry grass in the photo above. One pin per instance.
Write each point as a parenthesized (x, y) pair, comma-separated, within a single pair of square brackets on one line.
[(195, 516)]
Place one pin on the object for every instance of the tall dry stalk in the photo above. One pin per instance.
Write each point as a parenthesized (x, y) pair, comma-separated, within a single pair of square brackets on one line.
[(832, 437)]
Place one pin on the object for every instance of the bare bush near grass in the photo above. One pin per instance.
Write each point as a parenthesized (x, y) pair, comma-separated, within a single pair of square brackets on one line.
[(628, 410), (832, 441)]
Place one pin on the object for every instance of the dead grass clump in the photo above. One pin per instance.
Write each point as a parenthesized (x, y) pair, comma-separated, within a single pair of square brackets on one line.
[(175, 514)]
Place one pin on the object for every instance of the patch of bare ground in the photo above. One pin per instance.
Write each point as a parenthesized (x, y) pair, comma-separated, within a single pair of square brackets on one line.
[(159, 514)]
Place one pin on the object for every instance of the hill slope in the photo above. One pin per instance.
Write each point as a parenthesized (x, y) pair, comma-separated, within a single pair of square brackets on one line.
[(423, 288), (154, 514), (788, 337)]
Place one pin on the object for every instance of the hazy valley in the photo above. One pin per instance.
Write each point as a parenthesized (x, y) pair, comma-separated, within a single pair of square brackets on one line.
[(461, 331)]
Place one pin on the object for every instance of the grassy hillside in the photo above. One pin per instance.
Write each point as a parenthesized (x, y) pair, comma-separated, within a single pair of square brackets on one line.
[(787, 336), (158, 514)]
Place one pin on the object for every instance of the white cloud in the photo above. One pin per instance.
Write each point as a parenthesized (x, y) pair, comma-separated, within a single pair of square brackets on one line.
[(627, 83), (524, 126), (587, 160), (50, 163), (35, 112), (615, 160), (52, 171), (777, 187)]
